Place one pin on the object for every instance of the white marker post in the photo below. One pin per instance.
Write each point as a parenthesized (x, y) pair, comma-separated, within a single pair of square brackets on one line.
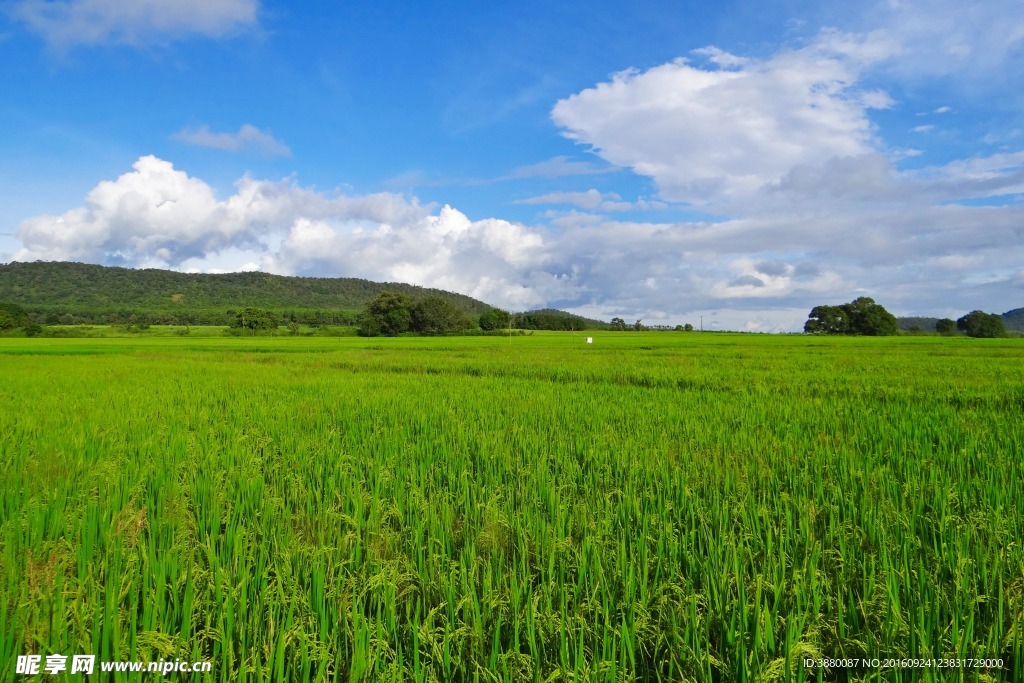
[(590, 340)]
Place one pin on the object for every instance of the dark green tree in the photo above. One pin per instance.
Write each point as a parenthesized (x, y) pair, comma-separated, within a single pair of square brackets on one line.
[(618, 324), (495, 319), (13, 316), (871, 319), (434, 315), (827, 320), (946, 327), (638, 326), (388, 314), (860, 316), (255, 319), (982, 324), (687, 327), (369, 326)]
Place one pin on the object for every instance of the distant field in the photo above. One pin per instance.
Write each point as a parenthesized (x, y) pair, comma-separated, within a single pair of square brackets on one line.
[(654, 506), (124, 332)]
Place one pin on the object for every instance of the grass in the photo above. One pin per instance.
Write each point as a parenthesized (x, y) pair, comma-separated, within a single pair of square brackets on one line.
[(650, 507)]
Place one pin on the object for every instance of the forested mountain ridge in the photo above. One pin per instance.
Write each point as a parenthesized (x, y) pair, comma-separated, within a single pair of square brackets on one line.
[(90, 292), (1014, 319), (924, 323)]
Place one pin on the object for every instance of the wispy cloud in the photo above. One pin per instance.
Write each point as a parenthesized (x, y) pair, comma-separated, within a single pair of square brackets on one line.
[(968, 41), (248, 139), (558, 167), (65, 24), (593, 200)]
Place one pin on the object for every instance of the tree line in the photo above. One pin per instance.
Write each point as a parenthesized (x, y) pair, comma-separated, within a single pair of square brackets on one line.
[(863, 316), (393, 313)]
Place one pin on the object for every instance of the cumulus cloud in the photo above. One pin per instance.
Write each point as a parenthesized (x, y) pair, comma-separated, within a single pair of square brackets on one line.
[(67, 23), (813, 204), (856, 226), (711, 134), (491, 259), (157, 215), (248, 139), (717, 129)]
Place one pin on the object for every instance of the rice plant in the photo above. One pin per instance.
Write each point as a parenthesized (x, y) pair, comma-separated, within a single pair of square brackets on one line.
[(652, 507)]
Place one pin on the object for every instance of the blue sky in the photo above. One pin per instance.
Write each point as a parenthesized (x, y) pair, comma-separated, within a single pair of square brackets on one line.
[(740, 161)]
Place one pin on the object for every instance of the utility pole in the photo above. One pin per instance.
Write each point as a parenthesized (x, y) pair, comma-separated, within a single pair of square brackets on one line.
[(702, 323)]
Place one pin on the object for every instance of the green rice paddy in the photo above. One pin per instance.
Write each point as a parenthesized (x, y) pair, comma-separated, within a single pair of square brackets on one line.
[(651, 507)]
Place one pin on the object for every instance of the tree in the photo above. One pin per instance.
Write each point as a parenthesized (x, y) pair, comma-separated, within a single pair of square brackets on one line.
[(981, 324), (6, 320), (389, 314), (687, 327), (434, 315), (946, 327), (860, 316), (254, 319), (495, 319), (638, 326), (618, 324), (827, 320), (868, 318)]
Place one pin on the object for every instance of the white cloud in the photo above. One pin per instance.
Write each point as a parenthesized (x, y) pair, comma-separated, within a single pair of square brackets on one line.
[(67, 23), (713, 135), (721, 57), (773, 279), (557, 167), (158, 216), (157, 212), (814, 206), (491, 259), (949, 37), (591, 199), (825, 234), (247, 139)]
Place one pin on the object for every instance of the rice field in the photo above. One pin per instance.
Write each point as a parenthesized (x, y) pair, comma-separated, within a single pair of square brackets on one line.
[(651, 507)]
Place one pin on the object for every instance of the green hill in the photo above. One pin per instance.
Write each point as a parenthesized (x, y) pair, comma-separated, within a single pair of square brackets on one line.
[(1014, 319), (924, 324), (85, 293)]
